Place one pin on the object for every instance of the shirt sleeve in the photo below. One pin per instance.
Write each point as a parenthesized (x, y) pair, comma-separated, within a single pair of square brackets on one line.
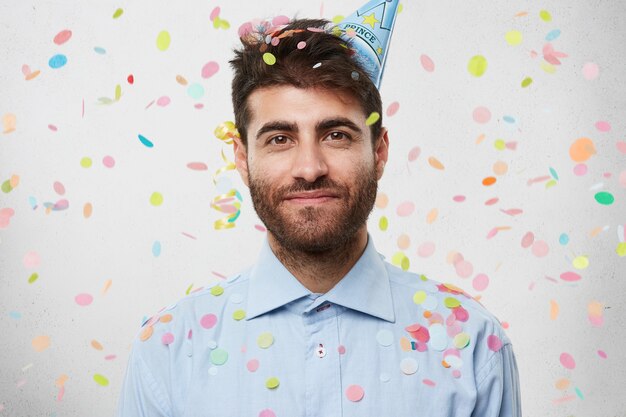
[(497, 389), (142, 395)]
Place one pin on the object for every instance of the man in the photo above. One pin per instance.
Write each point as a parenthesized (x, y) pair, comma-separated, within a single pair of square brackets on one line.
[(321, 325)]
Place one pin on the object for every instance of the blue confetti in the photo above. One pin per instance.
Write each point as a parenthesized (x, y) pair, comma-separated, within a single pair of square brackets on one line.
[(156, 248), (509, 119), (145, 141), (100, 50), (553, 35), (57, 61), (564, 239), (554, 174), (15, 315)]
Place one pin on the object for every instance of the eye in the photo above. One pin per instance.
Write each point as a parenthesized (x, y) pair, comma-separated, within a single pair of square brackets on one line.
[(279, 140), (337, 136)]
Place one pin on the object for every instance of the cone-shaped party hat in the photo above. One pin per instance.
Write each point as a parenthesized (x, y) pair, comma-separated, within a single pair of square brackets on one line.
[(369, 32)]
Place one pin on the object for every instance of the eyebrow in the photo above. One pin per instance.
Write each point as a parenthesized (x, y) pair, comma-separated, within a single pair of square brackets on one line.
[(320, 126)]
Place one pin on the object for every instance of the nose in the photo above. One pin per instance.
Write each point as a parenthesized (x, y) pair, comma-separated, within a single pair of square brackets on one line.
[(309, 162)]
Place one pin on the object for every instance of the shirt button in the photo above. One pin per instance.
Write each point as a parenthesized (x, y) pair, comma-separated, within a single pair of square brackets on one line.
[(320, 351)]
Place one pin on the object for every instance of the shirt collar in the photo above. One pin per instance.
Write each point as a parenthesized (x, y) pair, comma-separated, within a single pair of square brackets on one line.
[(364, 288)]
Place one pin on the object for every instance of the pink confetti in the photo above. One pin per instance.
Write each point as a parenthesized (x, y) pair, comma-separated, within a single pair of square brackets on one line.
[(341, 349), (210, 69), (492, 233), (267, 413), (260, 228), (252, 365), (570, 276), (512, 212), (427, 63), (426, 249), (208, 321), (602, 354), (5, 217), (459, 198), (480, 282), (198, 106), (163, 101), (62, 37), (83, 299), (621, 146), (492, 201), (355, 393), (494, 343), (591, 71), (622, 178), (463, 268), (53, 128), (214, 13), (197, 166), (108, 161), (580, 169), (280, 20), (109, 357), (481, 115), (31, 260), (405, 209), (540, 248), (528, 240), (58, 188), (567, 360), (414, 153), (301, 45), (167, 338), (429, 382), (603, 126), (393, 108)]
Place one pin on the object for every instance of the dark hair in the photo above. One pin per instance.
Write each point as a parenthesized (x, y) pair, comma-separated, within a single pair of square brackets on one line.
[(299, 67)]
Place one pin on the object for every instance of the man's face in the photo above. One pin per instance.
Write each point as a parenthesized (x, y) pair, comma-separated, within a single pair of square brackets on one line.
[(311, 166)]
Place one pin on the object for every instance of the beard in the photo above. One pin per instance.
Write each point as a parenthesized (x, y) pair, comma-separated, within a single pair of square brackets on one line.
[(315, 229)]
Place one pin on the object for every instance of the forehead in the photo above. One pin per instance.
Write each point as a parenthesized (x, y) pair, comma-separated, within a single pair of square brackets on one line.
[(301, 104)]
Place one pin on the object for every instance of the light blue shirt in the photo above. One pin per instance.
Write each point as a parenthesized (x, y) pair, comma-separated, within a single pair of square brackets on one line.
[(383, 342)]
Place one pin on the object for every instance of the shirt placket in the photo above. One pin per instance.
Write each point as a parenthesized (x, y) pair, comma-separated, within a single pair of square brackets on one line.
[(322, 371)]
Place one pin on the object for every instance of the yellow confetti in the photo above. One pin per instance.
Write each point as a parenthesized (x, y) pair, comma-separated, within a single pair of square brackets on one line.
[(163, 40), (547, 67), (156, 199), (477, 65), (621, 249), (118, 92), (101, 380), (269, 58), (372, 118), (434, 162), (581, 262), (272, 383), (383, 223), (223, 203), (118, 13), (513, 37), (526, 82), (545, 15), (401, 260), (85, 162)]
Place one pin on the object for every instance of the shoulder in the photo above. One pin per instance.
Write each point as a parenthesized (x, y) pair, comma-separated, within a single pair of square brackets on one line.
[(202, 307)]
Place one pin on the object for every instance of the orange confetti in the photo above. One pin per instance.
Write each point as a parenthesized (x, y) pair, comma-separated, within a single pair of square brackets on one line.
[(382, 200), (520, 14), (41, 343), (595, 232), (562, 384), (434, 162), (181, 80), (87, 210), (166, 318), (489, 181), (146, 333), (107, 285), (432, 216), (582, 149), (427, 314), (96, 345), (405, 344), (61, 380), (480, 138), (554, 310), (14, 181)]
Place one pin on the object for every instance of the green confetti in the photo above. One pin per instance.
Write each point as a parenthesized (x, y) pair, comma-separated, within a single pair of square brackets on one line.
[(526, 82), (6, 186), (219, 356), (372, 118), (118, 92), (499, 144), (118, 13), (451, 302), (545, 15), (269, 58), (383, 223), (33, 278), (604, 198), (477, 65), (189, 289), (550, 183), (217, 290), (101, 380)]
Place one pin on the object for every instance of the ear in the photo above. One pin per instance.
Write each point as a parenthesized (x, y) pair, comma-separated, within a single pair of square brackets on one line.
[(241, 159), (381, 152)]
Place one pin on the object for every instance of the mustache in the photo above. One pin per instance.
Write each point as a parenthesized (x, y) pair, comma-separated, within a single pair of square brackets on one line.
[(300, 185)]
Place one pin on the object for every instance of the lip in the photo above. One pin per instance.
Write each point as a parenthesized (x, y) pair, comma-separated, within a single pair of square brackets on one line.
[(311, 197)]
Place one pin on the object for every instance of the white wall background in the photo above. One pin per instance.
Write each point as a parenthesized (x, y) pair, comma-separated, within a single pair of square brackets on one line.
[(59, 120)]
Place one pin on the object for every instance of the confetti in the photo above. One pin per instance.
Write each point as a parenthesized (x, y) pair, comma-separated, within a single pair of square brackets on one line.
[(118, 13), (405, 209), (393, 108), (427, 63), (8, 122), (209, 69), (570, 276), (272, 383), (41, 343), (481, 115), (5, 217), (145, 141), (567, 360), (83, 299), (372, 118), (269, 58), (513, 37), (526, 82), (163, 40), (101, 380), (477, 65), (355, 393), (62, 37), (156, 199), (590, 71), (545, 15), (57, 61), (604, 198)]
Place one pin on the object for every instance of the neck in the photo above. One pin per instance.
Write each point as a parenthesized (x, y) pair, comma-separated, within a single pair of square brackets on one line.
[(321, 271)]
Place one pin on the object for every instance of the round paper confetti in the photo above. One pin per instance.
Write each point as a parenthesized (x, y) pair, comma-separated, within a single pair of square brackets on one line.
[(604, 198), (570, 276), (217, 290), (210, 69), (108, 161), (580, 262), (267, 413), (156, 248), (272, 383), (265, 340), (252, 365), (146, 333), (405, 209), (414, 153), (302, 45), (219, 356), (57, 61), (31, 259), (513, 37), (582, 149), (62, 37), (156, 199), (540, 248), (195, 91), (83, 299), (393, 108), (481, 115), (163, 40), (591, 71), (384, 337), (239, 315), (545, 15), (208, 321), (408, 366), (494, 343), (480, 282), (167, 338), (567, 360), (86, 162), (427, 63), (355, 393), (269, 58), (101, 380), (426, 249), (41, 343), (477, 65)]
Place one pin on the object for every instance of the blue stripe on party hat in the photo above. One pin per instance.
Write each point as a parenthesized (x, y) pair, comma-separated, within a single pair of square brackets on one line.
[(368, 31)]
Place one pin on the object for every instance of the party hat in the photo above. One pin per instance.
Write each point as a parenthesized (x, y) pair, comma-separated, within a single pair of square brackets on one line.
[(369, 32)]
